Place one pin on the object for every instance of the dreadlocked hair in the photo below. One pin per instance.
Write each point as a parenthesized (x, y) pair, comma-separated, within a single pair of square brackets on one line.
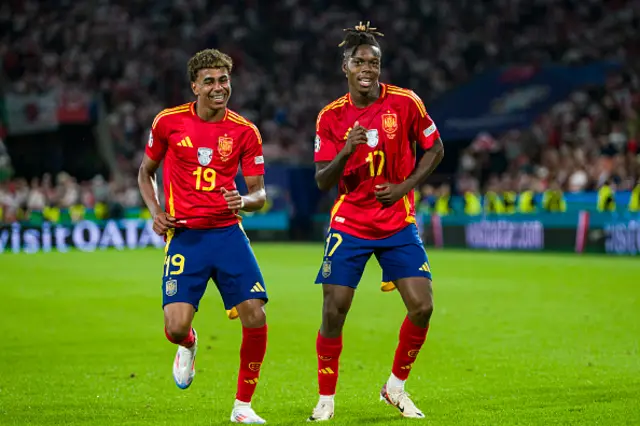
[(208, 58), (358, 35)]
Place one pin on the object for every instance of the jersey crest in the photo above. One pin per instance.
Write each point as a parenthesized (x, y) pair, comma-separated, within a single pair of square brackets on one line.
[(205, 155), (390, 124), (225, 147)]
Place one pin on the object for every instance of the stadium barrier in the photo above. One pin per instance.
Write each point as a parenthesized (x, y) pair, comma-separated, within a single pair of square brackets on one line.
[(120, 234), (583, 231)]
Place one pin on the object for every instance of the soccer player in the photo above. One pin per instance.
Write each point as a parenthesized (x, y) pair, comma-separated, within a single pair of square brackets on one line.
[(365, 143), (202, 144)]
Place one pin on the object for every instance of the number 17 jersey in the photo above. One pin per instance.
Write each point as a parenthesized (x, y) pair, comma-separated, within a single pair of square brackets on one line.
[(395, 122), (200, 158)]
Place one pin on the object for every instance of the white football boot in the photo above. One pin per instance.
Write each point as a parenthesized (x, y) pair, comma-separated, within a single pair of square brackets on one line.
[(400, 399), (184, 365), (323, 411), (243, 413)]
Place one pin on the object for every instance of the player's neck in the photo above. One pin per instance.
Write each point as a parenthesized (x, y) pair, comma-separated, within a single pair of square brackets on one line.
[(363, 101), (210, 115)]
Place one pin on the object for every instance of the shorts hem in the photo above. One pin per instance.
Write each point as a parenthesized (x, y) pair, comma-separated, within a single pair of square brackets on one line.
[(195, 305), (232, 305), (354, 286)]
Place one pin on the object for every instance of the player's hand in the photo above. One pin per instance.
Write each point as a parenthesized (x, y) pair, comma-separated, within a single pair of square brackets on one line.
[(357, 136), (233, 199), (162, 222), (388, 193)]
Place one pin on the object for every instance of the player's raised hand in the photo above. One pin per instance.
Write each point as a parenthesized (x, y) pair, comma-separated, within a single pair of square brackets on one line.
[(233, 199), (357, 136), (162, 222), (388, 193)]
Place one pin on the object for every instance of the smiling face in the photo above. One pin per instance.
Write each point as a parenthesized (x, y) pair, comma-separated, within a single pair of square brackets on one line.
[(212, 87), (363, 69)]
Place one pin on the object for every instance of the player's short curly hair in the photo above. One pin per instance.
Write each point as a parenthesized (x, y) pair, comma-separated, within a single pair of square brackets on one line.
[(208, 58)]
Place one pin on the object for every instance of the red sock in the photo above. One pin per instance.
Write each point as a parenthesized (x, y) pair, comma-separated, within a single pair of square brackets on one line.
[(187, 342), (252, 351), (411, 339), (328, 350)]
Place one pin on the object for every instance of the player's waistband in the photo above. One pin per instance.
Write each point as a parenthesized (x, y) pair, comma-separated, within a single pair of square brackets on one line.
[(207, 222)]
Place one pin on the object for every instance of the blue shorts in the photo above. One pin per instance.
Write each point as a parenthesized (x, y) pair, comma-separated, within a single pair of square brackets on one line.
[(401, 255), (222, 254)]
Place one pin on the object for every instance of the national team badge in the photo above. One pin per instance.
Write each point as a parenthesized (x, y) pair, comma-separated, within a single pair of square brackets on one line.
[(204, 156), (390, 122), (326, 268), (171, 287), (254, 366), (225, 146), (372, 138)]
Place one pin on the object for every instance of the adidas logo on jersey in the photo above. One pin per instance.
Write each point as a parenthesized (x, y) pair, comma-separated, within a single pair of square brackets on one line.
[(424, 267), (186, 142), (257, 288)]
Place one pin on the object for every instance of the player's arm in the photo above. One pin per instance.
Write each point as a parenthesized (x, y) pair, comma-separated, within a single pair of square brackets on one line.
[(328, 172), (253, 172), (425, 133), (154, 153), (428, 163)]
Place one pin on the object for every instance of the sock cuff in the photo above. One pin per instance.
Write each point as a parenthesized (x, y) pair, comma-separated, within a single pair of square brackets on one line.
[(409, 329), (250, 332), (329, 346)]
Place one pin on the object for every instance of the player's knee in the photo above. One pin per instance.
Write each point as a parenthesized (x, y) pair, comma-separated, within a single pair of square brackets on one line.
[(334, 316), (254, 318), (420, 314), (177, 331)]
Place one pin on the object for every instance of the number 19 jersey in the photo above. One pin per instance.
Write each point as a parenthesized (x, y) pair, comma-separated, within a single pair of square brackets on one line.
[(395, 122), (200, 158)]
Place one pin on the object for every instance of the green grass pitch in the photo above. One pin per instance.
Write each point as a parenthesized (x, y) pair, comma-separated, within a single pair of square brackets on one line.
[(516, 339)]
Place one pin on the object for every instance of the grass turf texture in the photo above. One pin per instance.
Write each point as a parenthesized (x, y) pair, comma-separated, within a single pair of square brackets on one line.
[(515, 339)]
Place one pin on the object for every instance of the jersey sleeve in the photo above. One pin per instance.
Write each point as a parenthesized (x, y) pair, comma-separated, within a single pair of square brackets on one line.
[(157, 143), (252, 158), (423, 129), (325, 148)]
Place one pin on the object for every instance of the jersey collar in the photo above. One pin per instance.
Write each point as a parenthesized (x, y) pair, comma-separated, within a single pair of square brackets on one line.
[(383, 93), (192, 108)]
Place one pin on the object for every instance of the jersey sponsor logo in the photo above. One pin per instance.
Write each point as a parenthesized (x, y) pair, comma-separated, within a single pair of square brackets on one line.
[(186, 142), (171, 287), (372, 138), (150, 143), (259, 159), (326, 268), (390, 124), (205, 155), (429, 130), (316, 145), (254, 366), (225, 147)]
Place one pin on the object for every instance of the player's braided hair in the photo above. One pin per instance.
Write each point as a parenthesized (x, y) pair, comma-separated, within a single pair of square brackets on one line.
[(208, 58), (358, 35)]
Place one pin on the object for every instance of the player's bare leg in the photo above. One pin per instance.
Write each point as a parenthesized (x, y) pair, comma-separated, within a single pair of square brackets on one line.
[(417, 295), (254, 346), (336, 305), (178, 317)]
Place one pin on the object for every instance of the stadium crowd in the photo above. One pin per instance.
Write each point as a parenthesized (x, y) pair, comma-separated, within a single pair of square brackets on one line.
[(134, 54)]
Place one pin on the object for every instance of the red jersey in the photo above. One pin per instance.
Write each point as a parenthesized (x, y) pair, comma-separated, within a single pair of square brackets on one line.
[(199, 159), (395, 122)]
